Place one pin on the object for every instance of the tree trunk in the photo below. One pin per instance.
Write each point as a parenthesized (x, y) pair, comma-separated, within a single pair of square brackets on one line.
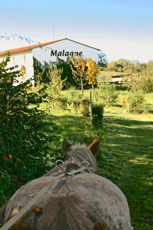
[(93, 93), (82, 86), (91, 102)]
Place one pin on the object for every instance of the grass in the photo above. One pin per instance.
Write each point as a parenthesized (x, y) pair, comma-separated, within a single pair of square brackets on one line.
[(128, 162), (126, 152), (125, 156)]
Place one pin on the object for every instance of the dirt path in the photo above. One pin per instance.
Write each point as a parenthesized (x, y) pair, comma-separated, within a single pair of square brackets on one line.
[(128, 161)]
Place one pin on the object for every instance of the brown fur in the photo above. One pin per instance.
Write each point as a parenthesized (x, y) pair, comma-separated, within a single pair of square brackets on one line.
[(93, 203)]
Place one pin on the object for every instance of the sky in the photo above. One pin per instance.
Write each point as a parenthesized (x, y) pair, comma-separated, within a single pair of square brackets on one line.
[(120, 28)]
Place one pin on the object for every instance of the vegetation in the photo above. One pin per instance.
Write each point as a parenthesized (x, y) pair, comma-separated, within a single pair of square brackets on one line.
[(107, 94), (23, 137), (125, 156), (35, 121), (66, 73), (135, 102), (79, 68)]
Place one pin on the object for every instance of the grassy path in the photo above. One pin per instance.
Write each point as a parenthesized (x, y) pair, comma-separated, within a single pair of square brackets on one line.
[(127, 159)]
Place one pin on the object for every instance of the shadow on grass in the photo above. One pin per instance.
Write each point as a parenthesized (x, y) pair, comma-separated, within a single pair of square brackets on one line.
[(125, 158), (76, 129), (128, 162)]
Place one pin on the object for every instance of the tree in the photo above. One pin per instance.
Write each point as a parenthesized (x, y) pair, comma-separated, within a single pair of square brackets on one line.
[(102, 61), (112, 66), (91, 76), (55, 81), (79, 68), (66, 73), (92, 71), (23, 138)]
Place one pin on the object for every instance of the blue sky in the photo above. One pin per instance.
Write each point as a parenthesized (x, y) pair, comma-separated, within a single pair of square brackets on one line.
[(121, 29)]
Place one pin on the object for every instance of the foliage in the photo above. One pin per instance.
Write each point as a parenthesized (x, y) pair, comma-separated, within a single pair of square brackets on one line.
[(124, 66), (40, 72), (145, 82), (135, 102), (142, 82), (102, 61), (5, 182), (80, 107), (97, 115), (107, 94), (79, 69), (23, 137), (91, 72), (55, 81), (67, 73)]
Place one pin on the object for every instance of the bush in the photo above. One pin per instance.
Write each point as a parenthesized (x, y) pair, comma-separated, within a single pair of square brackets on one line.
[(55, 84), (5, 182), (97, 115), (135, 102), (107, 94), (24, 137), (67, 73), (145, 83), (80, 107), (142, 82)]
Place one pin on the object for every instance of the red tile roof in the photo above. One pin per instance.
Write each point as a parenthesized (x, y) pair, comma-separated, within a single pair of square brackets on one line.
[(25, 48)]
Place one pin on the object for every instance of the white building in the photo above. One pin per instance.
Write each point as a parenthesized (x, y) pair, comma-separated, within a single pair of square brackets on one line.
[(47, 52)]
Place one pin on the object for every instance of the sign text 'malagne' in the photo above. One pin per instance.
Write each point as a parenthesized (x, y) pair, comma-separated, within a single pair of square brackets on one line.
[(65, 53)]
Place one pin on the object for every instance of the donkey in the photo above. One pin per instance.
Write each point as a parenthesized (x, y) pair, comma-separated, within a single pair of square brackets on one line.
[(71, 196)]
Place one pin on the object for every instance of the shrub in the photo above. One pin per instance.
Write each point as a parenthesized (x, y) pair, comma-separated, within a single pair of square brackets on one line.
[(55, 81), (142, 82), (145, 83), (135, 102), (97, 115), (107, 94), (24, 137), (5, 182), (80, 107), (67, 73)]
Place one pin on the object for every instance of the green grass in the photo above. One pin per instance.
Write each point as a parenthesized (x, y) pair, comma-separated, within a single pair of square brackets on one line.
[(126, 152), (125, 156), (128, 149)]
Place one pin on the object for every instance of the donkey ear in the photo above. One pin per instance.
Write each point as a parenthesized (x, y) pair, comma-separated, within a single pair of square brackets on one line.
[(94, 146), (66, 145)]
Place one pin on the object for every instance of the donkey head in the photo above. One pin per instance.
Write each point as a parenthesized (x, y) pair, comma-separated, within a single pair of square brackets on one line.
[(79, 153)]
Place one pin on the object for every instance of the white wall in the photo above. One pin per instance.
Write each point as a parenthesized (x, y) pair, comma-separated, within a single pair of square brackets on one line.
[(44, 53), (23, 58)]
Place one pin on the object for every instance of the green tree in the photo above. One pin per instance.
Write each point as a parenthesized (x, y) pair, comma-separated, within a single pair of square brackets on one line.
[(55, 81), (66, 73), (102, 61), (23, 137)]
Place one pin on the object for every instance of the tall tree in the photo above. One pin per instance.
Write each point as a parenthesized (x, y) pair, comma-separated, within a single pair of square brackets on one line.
[(79, 68)]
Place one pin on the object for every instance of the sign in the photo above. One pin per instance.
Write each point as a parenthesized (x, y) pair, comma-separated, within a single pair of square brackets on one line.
[(65, 53)]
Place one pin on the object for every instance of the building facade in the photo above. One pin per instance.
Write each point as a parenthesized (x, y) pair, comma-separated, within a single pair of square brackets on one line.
[(47, 52)]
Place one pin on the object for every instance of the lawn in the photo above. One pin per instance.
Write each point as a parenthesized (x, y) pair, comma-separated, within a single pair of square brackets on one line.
[(125, 156), (128, 148)]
